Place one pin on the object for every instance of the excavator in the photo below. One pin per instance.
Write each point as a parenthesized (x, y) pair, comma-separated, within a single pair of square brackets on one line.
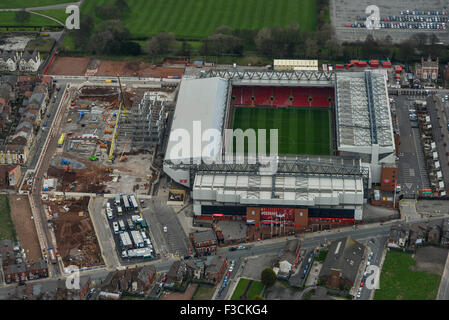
[(123, 157), (110, 124)]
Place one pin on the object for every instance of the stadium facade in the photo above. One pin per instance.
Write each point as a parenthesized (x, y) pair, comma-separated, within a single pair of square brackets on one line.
[(306, 188)]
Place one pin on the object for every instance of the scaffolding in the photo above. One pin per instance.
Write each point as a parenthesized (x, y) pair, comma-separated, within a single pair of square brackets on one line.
[(144, 124)]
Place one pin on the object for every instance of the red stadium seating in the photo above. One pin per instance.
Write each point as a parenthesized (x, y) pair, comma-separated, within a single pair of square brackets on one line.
[(282, 96)]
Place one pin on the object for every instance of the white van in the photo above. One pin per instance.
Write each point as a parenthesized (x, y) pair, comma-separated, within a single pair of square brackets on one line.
[(115, 225), (109, 213)]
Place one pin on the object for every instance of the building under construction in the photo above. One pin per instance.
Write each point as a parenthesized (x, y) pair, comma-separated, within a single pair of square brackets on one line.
[(141, 128)]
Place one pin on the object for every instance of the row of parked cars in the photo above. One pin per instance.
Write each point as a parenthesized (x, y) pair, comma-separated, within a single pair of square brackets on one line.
[(402, 25), (365, 274), (227, 277), (429, 13), (409, 19)]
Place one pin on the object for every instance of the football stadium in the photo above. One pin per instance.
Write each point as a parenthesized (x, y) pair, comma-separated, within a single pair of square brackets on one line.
[(334, 136)]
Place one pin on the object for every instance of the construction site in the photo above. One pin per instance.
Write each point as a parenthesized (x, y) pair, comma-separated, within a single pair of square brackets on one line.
[(109, 137), (72, 227)]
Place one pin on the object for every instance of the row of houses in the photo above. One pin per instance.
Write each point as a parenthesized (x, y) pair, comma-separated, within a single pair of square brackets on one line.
[(409, 237), (15, 266), (131, 281), (29, 97), (204, 242), (210, 270), (23, 61)]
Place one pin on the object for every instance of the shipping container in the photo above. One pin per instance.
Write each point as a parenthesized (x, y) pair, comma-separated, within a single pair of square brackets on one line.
[(133, 201), (130, 224), (125, 201), (125, 240), (137, 238)]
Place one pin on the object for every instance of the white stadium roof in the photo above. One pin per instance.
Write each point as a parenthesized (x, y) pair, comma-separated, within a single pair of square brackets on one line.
[(202, 100), (278, 190), (363, 112)]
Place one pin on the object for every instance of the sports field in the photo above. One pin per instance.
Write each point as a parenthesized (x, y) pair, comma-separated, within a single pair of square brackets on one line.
[(300, 130), (7, 18), (9, 4), (398, 282), (255, 289), (198, 18)]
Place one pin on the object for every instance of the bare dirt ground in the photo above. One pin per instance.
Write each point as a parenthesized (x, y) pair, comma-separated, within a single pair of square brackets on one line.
[(75, 235), (71, 66), (187, 295), (68, 66), (25, 228), (430, 259), (280, 292), (142, 69)]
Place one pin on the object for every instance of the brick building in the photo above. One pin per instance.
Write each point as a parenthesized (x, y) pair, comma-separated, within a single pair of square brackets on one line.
[(215, 268), (427, 70), (204, 242), (343, 262)]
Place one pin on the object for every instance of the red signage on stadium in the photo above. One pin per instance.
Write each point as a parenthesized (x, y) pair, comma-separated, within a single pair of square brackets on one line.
[(277, 214)]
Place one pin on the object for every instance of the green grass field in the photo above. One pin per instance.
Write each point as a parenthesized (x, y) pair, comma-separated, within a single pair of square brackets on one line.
[(254, 290), (7, 230), (204, 292), (398, 282), (300, 130), (240, 289), (198, 18), (7, 18), (9, 4)]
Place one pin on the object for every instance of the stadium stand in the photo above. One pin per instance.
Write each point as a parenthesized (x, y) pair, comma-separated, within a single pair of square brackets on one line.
[(282, 96)]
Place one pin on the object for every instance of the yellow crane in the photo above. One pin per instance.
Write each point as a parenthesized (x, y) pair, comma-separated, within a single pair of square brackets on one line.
[(114, 135)]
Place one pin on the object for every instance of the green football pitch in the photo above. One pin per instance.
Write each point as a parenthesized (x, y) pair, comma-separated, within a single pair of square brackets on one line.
[(197, 19), (300, 130)]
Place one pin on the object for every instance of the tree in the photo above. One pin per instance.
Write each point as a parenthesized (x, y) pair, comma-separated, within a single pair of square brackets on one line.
[(185, 50), (264, 42), (22, 16), (258, 297), (82, 35), (160, 44), (122, 6), (218, 44), (107, 37), (268, 277), (311, 48), (109, 12)]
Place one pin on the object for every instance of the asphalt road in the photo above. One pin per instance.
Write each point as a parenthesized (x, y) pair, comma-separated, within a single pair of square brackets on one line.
[(443, 290), (158, 215), (412, 173), (104, 234), (51, 110), (377, 246)]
